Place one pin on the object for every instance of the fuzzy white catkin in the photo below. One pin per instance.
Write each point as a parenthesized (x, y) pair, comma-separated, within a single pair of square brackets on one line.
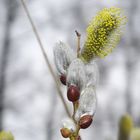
[(92, 74), (69, 124), (76, 74), (87, 103), (63, 56)]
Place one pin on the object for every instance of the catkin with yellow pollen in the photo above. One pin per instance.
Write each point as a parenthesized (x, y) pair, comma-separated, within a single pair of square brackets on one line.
[(103, 34)]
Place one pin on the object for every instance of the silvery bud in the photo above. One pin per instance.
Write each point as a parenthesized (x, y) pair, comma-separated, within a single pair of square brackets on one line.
[(69, 124), (87, 103), (76, 74), (92, 74), (63, 56)]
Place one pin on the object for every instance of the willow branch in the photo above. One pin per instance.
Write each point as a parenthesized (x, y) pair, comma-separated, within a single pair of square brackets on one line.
[(78, 42), (45, 56)]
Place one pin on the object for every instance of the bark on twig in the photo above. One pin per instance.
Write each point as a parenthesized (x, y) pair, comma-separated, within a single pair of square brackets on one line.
[(45, 56)]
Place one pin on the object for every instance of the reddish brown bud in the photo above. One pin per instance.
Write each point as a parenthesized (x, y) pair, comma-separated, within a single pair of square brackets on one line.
[(73, 93), (63, 79), (78, 138), (65, 132), (85, 121)]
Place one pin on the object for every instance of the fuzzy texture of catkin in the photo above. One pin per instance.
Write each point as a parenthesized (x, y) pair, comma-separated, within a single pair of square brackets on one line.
[(76, 74), (103, 34), (87, 103), (63, 56), (69, 124), (92, 74)]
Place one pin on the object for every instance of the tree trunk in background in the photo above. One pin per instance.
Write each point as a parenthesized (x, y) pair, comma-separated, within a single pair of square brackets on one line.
[(132, 47), (128, 94), (10, 14)]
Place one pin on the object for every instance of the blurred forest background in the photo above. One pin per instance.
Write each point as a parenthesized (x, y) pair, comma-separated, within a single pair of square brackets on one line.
[(29, 104)]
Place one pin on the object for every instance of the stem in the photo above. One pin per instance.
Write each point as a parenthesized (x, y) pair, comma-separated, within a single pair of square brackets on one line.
[(76, 133), (77, 130), (72, 138), (45, 56), (75, 106), (78, 42)]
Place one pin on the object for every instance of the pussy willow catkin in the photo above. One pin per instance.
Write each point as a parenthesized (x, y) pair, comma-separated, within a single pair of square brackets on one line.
[(103, 33)]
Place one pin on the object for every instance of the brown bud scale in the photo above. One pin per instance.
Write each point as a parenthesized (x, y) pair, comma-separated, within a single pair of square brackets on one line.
[(65, 132), (73, 93), (85, 121), (63, 79), (78, 138)]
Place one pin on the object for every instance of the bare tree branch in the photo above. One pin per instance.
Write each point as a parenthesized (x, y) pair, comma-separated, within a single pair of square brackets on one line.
[(46, 57)]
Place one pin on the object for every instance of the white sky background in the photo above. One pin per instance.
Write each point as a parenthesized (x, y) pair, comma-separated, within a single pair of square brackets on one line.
[(30, 92)]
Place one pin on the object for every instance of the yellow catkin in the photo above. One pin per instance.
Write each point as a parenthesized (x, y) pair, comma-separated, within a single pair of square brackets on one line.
[(6, 136), (135, 134), (126, 125), (103, 33)]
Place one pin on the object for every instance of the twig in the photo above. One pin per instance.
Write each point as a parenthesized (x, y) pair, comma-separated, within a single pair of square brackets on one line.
[(45, 56), (78, 42), (75, 107)]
